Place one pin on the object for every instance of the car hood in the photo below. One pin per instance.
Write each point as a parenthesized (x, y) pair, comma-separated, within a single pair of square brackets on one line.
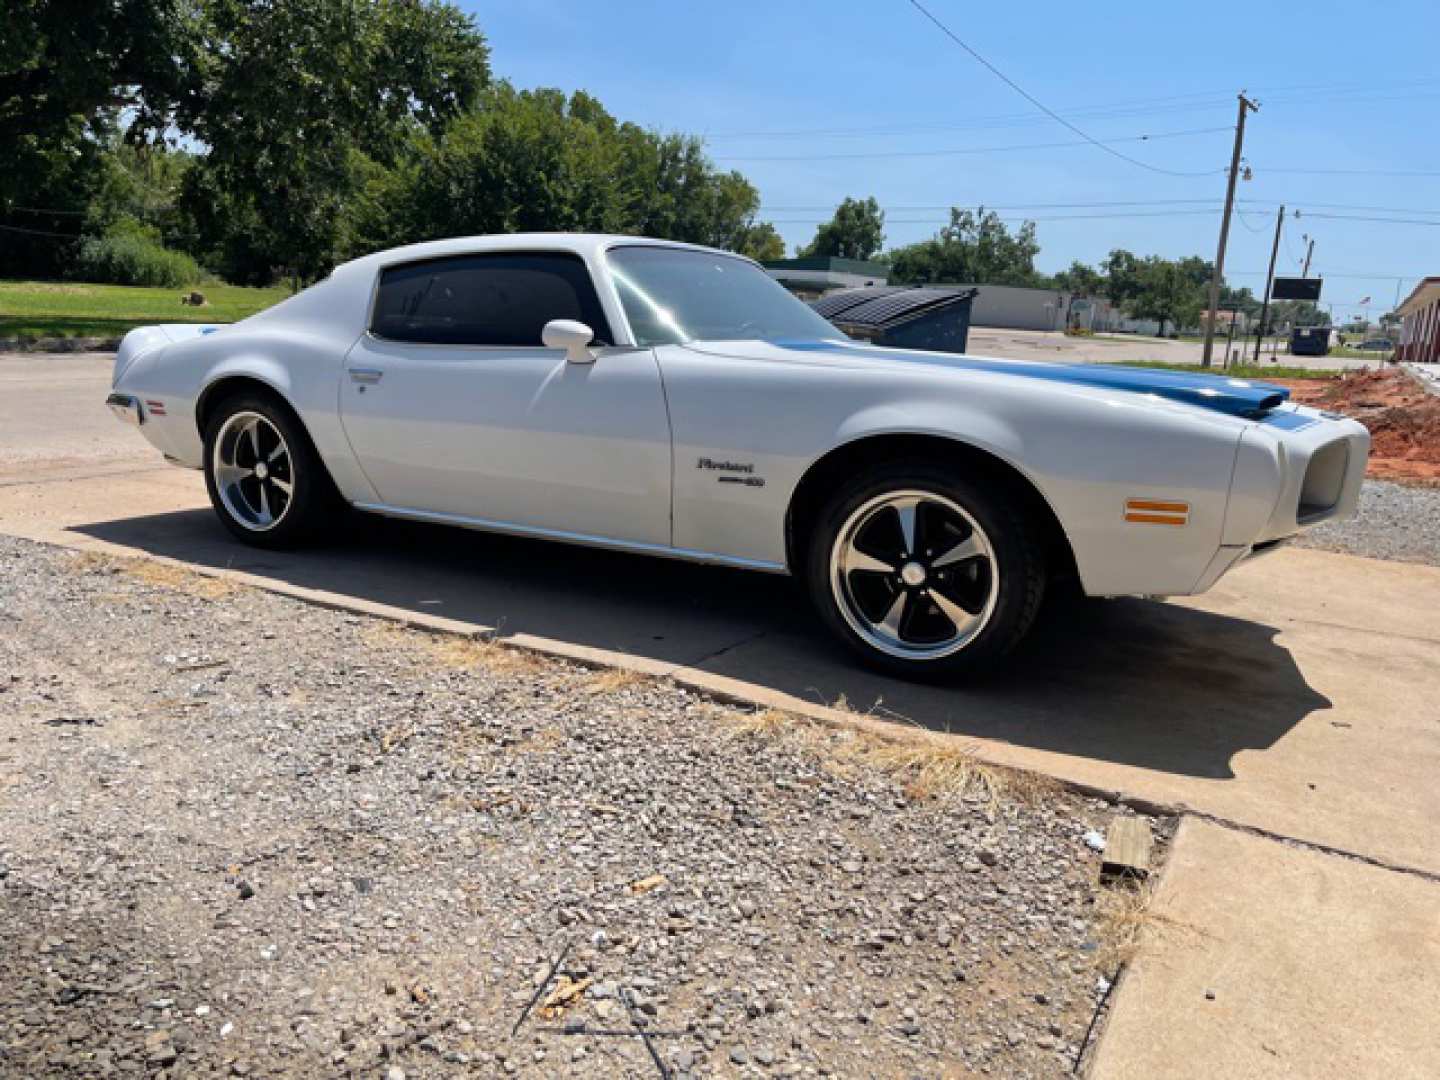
[(1234, 397)]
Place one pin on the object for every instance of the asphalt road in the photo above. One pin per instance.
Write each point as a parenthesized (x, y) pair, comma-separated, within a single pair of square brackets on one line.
[(1298, 697)]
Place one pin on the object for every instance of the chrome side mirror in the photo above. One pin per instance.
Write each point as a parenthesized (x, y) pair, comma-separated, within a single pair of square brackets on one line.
[(574, 337)]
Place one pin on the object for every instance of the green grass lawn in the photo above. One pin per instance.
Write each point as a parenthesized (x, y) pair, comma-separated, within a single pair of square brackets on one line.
[(35, 309), (1242, 371)]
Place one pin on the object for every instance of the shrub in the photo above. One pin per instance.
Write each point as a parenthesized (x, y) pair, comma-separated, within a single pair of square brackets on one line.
[(131, 259)]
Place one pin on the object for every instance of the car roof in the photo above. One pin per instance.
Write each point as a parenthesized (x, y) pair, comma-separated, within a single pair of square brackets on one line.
[(583, 244)]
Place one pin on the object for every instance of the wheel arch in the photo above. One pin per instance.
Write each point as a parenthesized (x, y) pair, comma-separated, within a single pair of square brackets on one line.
[(229, 384), (820, 479)]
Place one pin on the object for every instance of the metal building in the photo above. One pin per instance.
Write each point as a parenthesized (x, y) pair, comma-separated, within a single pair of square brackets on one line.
[(1420, 324)]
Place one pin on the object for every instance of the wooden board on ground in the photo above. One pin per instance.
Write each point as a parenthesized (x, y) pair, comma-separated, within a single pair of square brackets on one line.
[(1127, 849)]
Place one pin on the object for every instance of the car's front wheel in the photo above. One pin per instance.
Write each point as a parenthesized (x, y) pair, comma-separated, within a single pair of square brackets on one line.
[(266, 482), (925, 574)]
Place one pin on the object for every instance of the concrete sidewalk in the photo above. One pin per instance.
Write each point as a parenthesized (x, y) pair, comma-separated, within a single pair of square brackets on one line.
[(1270, 960)]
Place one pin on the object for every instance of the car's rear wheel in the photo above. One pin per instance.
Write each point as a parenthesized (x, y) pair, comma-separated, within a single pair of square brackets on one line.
[(924, 574), (266, 482)]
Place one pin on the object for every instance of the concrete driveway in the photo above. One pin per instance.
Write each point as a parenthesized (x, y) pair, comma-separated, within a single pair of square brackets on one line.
[(1297, 698)]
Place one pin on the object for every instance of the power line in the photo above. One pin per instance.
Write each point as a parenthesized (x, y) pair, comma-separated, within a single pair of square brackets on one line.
[(1346, 172), (1356, 276), (1043, 107), (38, 232), (1380, 220), (1174, 103), (969, 150), (1240, 215), (41, 210), (1009, 206), (1098, 112), (1019, 220)]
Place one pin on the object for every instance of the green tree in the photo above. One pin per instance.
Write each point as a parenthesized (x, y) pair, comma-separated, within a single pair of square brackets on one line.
[(290, 98), (533, 160), (974, 248), (1241, 299), (762, 242), (856, 231), (1170, 292), (1297, 313), (1080, 279), (76, 75), (1122, 277)]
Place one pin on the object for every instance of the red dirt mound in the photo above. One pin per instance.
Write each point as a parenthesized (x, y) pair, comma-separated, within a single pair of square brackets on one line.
[(1404, 420)]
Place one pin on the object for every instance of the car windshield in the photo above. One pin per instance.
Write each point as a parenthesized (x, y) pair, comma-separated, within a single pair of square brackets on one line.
[(673, 296)]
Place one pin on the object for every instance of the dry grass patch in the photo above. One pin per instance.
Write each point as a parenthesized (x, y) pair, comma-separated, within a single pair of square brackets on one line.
[(926, 767), (614, 680), (1125, 914), (160, 575), (765, 724), (451, 651), (178, 579)]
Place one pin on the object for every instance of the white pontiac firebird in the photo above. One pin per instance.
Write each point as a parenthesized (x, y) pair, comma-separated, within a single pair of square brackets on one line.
[(675, 400)]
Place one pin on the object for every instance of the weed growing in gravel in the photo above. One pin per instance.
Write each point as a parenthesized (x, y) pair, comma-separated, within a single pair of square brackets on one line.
[(1124, 913)]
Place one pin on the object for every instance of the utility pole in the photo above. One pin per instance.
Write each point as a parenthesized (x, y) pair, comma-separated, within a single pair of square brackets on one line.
[(1269, 282), (1246, 105), (1308, 252)]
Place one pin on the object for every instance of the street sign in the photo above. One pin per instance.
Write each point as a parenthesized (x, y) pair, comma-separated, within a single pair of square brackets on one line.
[(1296, 288)]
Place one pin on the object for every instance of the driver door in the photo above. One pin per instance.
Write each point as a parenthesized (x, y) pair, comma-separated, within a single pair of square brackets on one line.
[(455, 409)]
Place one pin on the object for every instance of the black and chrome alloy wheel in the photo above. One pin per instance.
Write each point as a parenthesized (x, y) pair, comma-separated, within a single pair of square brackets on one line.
[(924, 573), (254, 471), (266, 482), (914, 575)]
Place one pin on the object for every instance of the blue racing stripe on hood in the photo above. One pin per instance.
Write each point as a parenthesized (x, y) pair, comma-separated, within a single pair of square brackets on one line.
[(1235, 397)]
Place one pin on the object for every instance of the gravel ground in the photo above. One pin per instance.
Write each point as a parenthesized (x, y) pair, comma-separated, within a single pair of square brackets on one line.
[(1396, 521), (244, 836)]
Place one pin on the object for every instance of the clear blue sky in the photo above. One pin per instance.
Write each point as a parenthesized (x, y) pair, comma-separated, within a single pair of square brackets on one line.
[(1342, 87)]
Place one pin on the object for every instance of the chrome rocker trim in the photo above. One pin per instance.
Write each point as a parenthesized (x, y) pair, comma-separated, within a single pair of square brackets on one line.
[(608, 543)]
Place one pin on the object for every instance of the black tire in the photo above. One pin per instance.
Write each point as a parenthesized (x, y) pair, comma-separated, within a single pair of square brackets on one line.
[(312, 504), (1007, 601)]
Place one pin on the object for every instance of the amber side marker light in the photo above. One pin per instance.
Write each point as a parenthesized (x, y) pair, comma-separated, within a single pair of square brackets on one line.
[(1157, 512)]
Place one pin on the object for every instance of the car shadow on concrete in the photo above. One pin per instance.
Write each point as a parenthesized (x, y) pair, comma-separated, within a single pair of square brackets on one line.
[(1155, 685)]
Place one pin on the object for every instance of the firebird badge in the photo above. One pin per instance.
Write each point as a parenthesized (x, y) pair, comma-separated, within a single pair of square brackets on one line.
[(737, 472)]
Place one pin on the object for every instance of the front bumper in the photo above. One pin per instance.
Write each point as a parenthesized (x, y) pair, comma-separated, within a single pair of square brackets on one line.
[(126, 408)]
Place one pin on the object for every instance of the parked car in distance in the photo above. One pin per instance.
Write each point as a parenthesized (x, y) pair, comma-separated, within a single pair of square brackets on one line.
[(674, 400), (1376, 345)]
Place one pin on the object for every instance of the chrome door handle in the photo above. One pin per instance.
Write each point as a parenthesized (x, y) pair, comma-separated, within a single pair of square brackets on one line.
[(365, 374)]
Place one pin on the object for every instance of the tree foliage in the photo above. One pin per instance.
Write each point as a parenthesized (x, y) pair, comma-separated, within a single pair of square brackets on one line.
[(974, 248), (290, 99), (75, 77), (856, 231), (528, 160)]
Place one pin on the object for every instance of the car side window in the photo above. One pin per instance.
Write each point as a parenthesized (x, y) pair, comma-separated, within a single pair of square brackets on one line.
[(504, 298)]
